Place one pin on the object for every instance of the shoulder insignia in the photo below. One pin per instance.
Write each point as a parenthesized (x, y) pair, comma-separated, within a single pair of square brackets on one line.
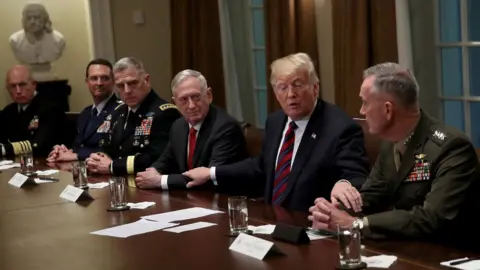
[(166, 106), (439, 136)]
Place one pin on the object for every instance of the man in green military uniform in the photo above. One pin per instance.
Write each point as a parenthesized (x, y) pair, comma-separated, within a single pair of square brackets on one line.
[(138, 130), (32, 123), (425, 175)]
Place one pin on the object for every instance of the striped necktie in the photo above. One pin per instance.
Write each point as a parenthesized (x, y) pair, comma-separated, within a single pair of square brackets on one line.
[(284, 164)]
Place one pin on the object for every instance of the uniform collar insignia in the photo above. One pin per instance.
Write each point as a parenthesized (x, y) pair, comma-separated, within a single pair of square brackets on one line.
[(439, 135)]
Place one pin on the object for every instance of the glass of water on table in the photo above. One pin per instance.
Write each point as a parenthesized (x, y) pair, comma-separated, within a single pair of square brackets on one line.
[(238, 214)]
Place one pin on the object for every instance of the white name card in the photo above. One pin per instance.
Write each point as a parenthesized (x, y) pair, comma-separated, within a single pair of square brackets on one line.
[(18, 180), (72, 193), (253, 246)]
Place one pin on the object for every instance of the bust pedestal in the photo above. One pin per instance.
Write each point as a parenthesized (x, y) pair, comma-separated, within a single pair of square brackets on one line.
[(57, 91)]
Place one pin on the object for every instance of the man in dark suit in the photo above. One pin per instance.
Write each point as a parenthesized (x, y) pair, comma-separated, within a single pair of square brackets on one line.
[(138, 129), (99, 80), (32, 123), (205, 136), (426, 177), (312, 148)]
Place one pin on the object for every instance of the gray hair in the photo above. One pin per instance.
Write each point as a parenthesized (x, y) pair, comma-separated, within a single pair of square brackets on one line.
[(128, 62), (43, 11), (188, 73), (395, 80)]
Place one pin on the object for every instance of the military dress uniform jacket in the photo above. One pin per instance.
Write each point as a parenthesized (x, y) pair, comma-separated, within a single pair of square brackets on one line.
[(135, 145), (36, 129), (430, 195), (88, 132)]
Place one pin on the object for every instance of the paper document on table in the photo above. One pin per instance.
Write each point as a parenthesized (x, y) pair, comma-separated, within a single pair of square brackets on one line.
[(5, 162), (134, 228), (263, 229), (190, 227), (9, 166), (46, 172), (180, 215), (98, 185), (467, 265), (140, 205), (380, 261)]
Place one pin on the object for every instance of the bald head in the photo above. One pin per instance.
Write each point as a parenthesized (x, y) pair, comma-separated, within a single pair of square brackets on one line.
[(20, 84)]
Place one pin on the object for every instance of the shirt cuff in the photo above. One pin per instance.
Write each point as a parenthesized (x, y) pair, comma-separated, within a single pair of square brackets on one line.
[(366, 228), (164, 182), (343, 180), (4, 153), (212, 176)]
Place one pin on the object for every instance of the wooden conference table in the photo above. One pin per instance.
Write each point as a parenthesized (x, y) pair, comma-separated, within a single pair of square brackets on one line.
[(40, 230)]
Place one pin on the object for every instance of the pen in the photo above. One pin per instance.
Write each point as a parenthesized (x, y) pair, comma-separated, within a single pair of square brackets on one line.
[(462, 261)]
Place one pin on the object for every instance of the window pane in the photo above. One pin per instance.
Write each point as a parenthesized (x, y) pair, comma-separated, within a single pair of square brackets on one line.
[(255, 2), (261, 107), (453, 114), (258, 30), (449, 20), (260, 68), (474, 56), (473, 20), (475, 123), (452, 72)]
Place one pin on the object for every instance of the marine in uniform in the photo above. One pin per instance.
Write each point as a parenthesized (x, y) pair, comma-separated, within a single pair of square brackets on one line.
[(137, 133), (426, 176), (32, 123)]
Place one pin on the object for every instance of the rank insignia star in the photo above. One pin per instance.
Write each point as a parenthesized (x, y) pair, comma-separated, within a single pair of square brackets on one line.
[(439, 135)]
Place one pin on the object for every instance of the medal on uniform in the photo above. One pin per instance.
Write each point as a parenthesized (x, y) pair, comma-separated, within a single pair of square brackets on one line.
[(135, 143), (421, 169), (34, 123), (146, 142)]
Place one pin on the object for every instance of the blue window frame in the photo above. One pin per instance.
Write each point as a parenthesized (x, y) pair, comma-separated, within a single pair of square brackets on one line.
[(458, 50)]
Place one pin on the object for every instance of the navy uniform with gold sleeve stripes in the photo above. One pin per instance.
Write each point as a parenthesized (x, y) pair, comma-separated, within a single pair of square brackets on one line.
[(36, 128), (136, 139)]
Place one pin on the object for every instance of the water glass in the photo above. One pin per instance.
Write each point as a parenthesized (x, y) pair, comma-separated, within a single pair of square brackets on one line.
[(26, 162), (118, 193), (79, 173), (238, 214), (349, 241)]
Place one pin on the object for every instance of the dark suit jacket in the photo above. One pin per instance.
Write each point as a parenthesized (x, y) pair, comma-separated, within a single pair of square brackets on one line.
[(40, 126), (88, 135), (219, 141), (436, 206), (331, 149), (135, 148)]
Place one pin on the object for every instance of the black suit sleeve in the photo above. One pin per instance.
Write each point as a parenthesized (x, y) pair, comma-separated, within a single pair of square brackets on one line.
[(229, 144), (159, 135), (166, 164), (350, 158), (49, 132)]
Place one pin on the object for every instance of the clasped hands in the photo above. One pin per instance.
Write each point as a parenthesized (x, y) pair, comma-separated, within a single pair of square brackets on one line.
[(98, 163), (327, 215), (61, 153)]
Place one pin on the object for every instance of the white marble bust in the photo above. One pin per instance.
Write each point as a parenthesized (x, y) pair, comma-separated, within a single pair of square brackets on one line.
[(37, 45)]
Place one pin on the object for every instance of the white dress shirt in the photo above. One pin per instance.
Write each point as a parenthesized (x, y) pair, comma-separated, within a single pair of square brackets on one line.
[(101, 105), (164, 179)]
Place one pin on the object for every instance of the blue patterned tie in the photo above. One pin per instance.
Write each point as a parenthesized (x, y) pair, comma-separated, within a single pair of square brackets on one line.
[(284, 164)]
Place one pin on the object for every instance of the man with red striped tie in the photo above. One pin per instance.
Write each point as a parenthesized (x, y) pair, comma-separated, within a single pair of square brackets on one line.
[(313, 149)]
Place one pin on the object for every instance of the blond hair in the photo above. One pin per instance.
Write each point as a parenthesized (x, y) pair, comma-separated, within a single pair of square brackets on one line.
[(291, 64)]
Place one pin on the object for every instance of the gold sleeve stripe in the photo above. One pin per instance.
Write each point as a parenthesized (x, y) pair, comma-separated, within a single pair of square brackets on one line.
[(16, 148), (24, 147), (130, 164), (30, 150), (131, 181)]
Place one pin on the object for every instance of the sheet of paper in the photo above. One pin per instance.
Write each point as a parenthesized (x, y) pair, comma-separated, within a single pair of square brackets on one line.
[(5, 162), (380, 261), (140, 205), (139, 227), (98, 185), (263, 229), (43, 181), (190, 227), (470, 265), (189, 213), (46, 172), (9, 166)]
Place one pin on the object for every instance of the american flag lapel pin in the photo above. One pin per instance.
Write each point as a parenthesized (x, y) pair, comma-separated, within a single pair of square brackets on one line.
[(314, 136)]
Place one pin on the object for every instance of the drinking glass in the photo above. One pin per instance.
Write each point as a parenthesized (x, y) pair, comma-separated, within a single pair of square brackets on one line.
[(238, 214)]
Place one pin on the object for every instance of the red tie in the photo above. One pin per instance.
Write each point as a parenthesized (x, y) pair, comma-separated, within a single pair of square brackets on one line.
[(192, 140), (284, 163)]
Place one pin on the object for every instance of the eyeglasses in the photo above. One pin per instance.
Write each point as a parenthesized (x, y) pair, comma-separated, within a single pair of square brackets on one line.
[(103, 78)]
